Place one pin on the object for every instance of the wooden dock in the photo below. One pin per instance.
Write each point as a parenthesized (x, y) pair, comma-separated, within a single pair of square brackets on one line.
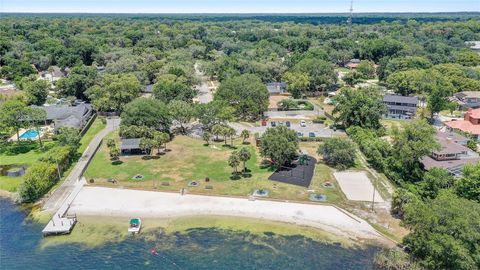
[(60, 225), (62, 222)]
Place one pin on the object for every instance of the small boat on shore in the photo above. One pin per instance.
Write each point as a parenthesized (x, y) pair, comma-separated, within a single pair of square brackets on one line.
[(135, 225)]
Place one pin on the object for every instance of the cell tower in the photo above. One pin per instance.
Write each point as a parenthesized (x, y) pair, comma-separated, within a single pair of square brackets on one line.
[(349, 21)]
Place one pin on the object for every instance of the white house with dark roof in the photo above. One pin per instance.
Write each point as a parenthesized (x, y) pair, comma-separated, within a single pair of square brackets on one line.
[(400, 107), (453, 154)]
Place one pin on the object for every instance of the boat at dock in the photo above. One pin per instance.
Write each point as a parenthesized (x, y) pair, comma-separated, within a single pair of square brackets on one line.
[(135, 225)]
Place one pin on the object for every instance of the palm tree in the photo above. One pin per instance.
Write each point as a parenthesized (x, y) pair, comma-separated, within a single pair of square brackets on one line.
[(245, 135), (159, 138), (230, 132), (244, 156), (166, 139), (234, 161), (147, 145), (217, 130), (224, 132), (114, 153), (206, 136)]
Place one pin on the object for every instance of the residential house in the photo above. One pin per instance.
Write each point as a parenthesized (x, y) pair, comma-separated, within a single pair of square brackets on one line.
[(147, 91), (68, 116), (352, 64), (474, 45), (131, 147), (400, 107), (278, 92), (277, 88), (468, 99), (452, 155), (7, 89), (54, 73), (470, 124)]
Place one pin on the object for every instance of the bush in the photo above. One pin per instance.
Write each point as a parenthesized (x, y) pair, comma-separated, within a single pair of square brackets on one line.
[(400, 199), (394, 259), (314, 139), (61, 155), (338, 152), (319, 120), (38, 180)]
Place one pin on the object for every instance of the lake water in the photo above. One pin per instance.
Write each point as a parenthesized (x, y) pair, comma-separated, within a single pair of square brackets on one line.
[(20, 241)]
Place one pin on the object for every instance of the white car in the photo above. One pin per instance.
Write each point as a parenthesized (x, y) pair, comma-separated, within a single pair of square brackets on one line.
[(303, 123)]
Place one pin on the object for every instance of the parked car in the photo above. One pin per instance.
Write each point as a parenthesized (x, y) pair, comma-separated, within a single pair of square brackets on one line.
[(311, 134), (303, 123), (287, 123), (273, 123), (299, 134)]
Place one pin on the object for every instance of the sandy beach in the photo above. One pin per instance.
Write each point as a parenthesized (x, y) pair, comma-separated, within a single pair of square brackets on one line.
[(99, 201)]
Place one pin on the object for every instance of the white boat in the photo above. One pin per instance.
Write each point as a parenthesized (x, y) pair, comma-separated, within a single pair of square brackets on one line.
[(135, 225)]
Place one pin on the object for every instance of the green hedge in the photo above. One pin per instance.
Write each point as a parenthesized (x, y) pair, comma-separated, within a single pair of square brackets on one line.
[(40, 177), (38, 180)]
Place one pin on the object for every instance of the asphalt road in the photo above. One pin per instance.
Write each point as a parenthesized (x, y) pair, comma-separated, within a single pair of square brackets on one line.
[(204, 94)]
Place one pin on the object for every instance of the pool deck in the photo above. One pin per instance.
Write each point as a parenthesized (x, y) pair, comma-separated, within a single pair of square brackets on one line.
[(21, 132)]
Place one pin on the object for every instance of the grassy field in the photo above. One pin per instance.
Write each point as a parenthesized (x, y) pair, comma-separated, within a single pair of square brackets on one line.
[(189, 159), (390, 124), (95, 128), (33, 152)]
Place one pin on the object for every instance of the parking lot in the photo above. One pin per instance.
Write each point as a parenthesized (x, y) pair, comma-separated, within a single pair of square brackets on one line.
[(310, 129)]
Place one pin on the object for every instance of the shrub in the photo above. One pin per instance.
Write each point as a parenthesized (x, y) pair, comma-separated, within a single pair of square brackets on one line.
[(338, 152), (320, 119), (38, 180)]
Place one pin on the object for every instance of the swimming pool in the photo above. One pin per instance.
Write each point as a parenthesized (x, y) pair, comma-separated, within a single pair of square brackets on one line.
[(29, 134)]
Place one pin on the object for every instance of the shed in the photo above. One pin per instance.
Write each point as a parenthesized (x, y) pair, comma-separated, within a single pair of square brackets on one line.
[(131, 147)]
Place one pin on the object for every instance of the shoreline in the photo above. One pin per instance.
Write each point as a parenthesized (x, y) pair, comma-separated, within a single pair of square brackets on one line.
[(117, 203)]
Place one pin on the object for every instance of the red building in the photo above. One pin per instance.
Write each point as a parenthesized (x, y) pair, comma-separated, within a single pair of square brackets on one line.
[(470, 124)]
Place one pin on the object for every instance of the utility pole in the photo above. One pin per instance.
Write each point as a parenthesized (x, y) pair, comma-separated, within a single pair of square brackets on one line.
[(349, 21), (373, 198)]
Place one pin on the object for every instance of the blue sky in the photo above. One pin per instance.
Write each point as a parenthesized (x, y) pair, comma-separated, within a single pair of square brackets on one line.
[(236, 6)]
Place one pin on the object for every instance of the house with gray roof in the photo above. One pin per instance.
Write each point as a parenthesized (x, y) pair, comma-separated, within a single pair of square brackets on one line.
[(68, 116), (277, 88), (467, 99), (452, 155), (400, 107), (474, 45), (54, 73)]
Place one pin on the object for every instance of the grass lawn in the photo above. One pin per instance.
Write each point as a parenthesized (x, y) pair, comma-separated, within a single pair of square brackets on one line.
[(95, 128), (189, 159), (458, 114), (389, 124), (31, 152)]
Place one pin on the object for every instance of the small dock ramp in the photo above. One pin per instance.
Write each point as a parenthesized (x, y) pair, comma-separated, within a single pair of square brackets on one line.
[(61, 222)]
